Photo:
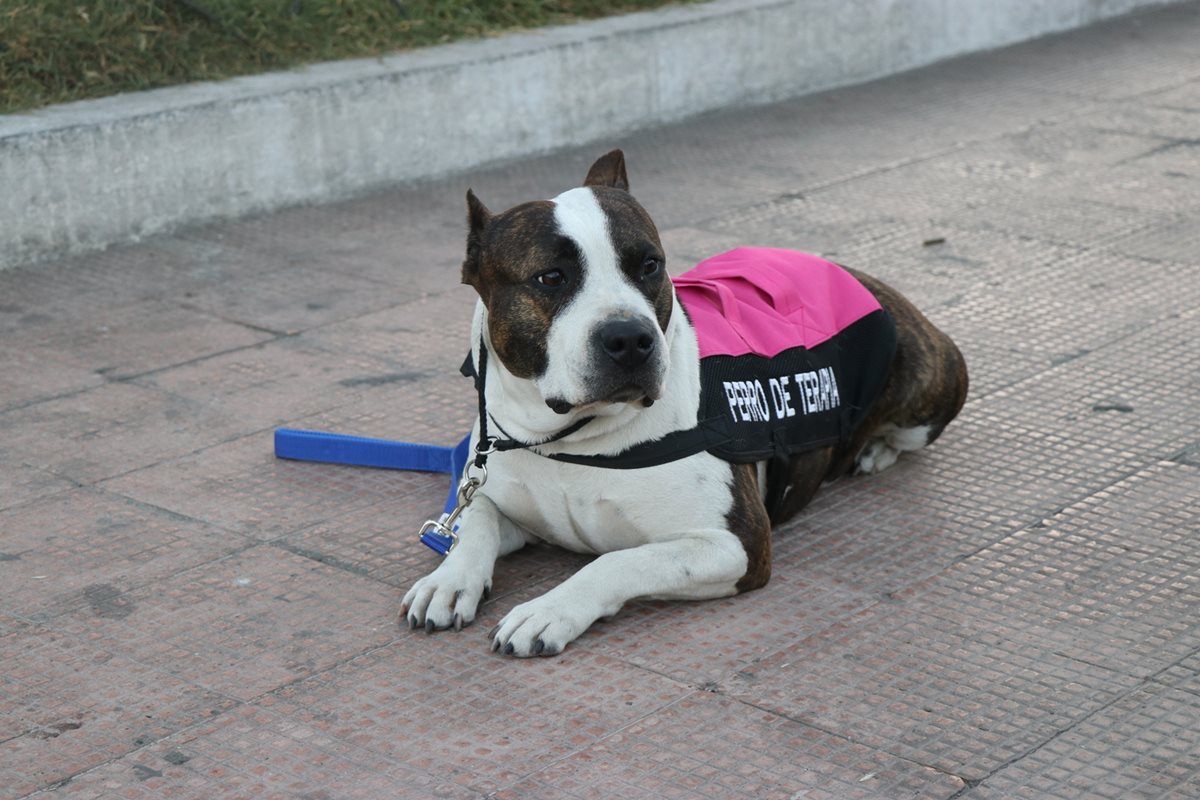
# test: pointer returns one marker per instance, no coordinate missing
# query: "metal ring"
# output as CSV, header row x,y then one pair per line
x,y
468,477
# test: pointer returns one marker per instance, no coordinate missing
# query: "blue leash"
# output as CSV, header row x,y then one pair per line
x,y
359,451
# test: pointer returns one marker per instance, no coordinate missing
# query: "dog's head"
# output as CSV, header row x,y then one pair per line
x,y
576,290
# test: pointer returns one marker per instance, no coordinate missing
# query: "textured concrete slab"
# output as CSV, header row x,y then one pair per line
x,y
962,699
1011,613
760,755
84,549
519,705
69,705
1144,745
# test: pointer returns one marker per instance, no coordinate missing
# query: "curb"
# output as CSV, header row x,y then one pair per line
x,y
83,175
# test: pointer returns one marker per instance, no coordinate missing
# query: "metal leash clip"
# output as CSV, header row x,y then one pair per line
x,y
441,535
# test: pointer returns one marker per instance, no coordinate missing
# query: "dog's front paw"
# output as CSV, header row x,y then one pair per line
x,y
541,627
448,597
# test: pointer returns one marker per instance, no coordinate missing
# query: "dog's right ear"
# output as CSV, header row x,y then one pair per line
x,y
478,218
609,170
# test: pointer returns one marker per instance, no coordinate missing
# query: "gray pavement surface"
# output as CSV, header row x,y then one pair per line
x,y
1011,613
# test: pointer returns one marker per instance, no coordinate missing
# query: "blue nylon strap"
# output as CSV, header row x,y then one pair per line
x,y
458,462
339,448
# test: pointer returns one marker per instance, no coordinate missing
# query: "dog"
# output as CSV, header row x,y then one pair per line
x,y
590,355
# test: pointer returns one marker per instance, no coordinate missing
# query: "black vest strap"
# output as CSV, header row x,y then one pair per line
x,y
672,447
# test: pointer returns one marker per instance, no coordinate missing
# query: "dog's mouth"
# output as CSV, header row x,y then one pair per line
x,y
626,394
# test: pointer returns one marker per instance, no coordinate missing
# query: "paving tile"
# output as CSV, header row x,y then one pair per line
x,y
440,409
1114,59
992,365
54,295
252,752
1057,183
39,374
1164,182
1145,745
411,241
246,624
110,430
1137,393
1110,580
703,644
963,699
151,334
20,484
817,225
1046,310
876,534
67,706
469,716
241,486
84,550
1174,239
296,298
1059,216
430,335
709,746
1012,458
281,380
1086,141
1163,115
1185,96
947,262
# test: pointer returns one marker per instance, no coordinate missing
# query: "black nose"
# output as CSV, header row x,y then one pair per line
x,y
629,342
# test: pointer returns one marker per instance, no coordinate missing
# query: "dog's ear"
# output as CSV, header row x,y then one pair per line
x,y
478,218
609,170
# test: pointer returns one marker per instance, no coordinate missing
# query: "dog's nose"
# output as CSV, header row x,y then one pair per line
x,y
629,342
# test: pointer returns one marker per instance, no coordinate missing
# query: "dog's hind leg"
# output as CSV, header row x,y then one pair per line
x,y
925,389
889,442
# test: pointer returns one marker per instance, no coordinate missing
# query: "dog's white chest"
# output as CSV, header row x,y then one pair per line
x,y
593,510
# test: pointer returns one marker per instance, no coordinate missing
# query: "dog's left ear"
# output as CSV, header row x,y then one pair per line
x,y
609,170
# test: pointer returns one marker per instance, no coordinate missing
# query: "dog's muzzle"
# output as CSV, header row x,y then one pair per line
x,y
624,364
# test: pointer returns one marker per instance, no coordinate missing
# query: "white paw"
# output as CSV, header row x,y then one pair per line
x,y
448,597
877,456
541,627
905,439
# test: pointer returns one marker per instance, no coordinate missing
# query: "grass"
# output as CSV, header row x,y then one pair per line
x,y
52,51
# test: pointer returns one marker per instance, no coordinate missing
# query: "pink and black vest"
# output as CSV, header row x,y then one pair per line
x,y
793,350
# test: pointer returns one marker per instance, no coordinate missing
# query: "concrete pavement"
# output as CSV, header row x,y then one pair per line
x,y
1012,613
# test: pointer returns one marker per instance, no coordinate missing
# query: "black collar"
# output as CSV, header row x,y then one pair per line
x,y
671,447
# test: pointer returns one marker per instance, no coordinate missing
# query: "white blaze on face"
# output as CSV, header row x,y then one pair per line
x,y
606,292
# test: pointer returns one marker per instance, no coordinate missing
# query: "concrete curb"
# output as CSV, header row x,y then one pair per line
x,y
84,175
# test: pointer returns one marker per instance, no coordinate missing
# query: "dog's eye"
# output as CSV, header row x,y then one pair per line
x,y
650,267
551,278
